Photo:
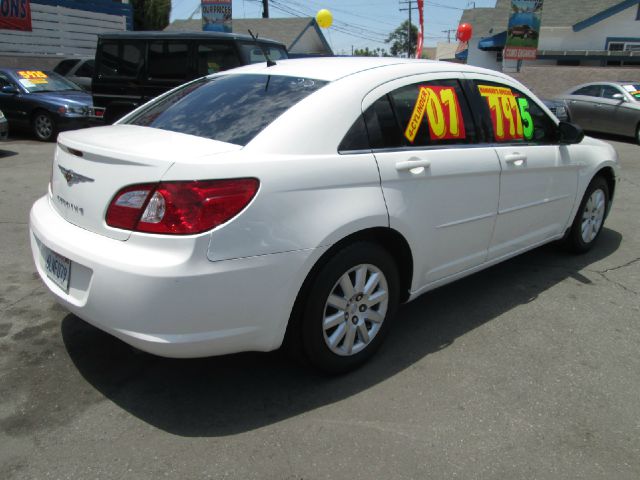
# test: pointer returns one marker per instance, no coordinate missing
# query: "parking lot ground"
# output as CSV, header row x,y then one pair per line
x,y
530,369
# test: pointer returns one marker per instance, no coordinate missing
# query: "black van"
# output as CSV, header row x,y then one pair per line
x,y
133,67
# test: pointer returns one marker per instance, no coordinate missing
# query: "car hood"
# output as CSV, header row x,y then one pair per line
x,y
70,97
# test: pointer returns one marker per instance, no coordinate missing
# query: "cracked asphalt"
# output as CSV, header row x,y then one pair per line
x,y
530,369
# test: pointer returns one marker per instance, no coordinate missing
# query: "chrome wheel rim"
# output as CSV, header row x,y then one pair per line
x,y
593,216
355,310
44,126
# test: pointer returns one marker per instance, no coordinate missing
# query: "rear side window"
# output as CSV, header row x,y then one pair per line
x,y
168,60
86,69
515,118
64,66
589,91
228,108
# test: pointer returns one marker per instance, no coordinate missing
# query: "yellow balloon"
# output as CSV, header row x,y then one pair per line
x,y
324,18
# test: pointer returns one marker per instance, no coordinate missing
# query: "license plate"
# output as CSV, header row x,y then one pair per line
x,y
58,268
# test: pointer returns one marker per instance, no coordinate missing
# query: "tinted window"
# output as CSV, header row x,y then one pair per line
x,y
214,57
168,60
433,113
229,108
86,69
589,91
514,116
382,125
5,81
356,138
64,66
120,59
252,53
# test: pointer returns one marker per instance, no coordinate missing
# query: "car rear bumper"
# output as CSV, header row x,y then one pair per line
x,y
172,302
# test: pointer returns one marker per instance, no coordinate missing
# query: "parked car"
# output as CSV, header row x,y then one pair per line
x,y
306,200
523,31
4,127
134,67
45,102
607,107
558,108
78,70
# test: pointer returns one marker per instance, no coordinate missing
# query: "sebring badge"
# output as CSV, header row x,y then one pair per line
x,y
72,177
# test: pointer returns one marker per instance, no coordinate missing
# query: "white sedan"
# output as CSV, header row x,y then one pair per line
x,y
302,202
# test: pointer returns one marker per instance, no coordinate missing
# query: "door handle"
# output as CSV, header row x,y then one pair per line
x,y
516,159
411,164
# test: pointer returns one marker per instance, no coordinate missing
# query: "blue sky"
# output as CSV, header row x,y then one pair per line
x,y
357,23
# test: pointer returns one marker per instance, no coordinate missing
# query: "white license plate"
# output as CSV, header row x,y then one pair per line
x,y
58,268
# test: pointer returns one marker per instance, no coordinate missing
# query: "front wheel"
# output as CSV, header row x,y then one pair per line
x,y
44,126
638,134
590,217
349,307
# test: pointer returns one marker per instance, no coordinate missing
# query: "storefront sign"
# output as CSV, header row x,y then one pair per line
x,y
216,15
524,30
15,15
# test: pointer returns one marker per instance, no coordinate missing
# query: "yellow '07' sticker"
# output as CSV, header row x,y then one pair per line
x,y
444,115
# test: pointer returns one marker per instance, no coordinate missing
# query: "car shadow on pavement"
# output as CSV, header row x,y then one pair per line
x,y
226,395
6,153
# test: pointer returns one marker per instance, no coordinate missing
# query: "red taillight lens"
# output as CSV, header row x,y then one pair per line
x,y
180,208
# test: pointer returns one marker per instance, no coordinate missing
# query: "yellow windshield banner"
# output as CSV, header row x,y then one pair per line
x,y
33,75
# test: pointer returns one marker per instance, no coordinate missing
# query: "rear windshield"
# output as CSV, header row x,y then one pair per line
x,y
228,108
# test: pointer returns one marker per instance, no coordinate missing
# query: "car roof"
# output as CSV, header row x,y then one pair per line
x,y
181,36
335,68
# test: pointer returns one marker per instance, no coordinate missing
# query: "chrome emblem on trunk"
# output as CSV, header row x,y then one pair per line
x,y
72,177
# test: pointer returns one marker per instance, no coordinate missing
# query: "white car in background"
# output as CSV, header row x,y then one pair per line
x,y
307,200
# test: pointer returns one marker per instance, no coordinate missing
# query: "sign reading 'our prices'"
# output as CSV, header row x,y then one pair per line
x,y
444,116
15,15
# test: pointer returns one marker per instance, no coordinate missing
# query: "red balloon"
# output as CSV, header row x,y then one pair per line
x,y
464,33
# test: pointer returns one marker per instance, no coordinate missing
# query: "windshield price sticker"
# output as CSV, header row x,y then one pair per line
x,y
32,74
506,114
443,114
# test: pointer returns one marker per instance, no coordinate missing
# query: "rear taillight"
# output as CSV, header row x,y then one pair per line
x,y
180,208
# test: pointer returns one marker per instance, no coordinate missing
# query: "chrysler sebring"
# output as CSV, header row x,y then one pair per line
x,y
302,202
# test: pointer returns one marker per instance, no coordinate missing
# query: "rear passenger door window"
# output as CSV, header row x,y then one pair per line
x,y
432,113
515,118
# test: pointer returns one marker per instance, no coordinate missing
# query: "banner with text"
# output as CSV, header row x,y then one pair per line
x,y
523,30
216,15
15,15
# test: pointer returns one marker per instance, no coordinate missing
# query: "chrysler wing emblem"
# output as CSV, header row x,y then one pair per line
x,y
72,177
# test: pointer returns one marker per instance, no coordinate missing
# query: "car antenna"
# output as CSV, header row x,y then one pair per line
x,y
270,63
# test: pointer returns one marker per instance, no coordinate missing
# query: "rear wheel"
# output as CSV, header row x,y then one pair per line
x,y
44,126
590,217
349,307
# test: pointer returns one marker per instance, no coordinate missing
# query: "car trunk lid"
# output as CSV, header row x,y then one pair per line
x,y
91,166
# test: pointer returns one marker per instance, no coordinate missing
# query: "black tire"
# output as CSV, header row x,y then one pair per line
x,y
44,126
575,239
638,134
371,260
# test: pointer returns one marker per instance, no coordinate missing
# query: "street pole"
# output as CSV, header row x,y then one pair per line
x,y
265,8
410,7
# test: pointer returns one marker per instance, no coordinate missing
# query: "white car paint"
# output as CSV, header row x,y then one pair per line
x,y
233,288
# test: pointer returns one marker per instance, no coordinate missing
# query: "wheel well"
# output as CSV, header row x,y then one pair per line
x,y
609,176
389,239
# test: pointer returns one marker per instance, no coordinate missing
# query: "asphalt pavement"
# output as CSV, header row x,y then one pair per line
x,y
527,370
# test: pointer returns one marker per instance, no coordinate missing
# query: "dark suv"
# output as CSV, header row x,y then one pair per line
x,y
134,67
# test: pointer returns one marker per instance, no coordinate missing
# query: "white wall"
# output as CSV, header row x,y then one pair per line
x,y
60,30
623,24
480,58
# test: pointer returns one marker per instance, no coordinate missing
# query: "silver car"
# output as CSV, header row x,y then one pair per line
x,y
608,107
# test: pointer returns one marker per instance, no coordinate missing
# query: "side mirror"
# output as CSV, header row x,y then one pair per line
x,y
570,133
618,96
11,89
